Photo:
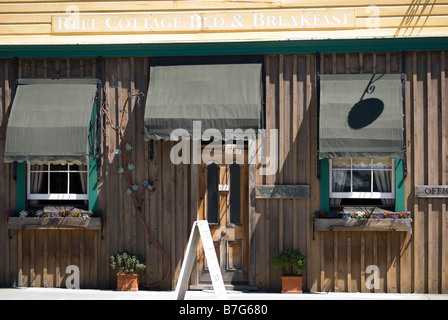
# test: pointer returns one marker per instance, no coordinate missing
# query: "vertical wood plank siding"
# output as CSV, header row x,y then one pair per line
x,y
39,258
336,260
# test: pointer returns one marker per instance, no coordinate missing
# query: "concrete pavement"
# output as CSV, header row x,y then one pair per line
x,y
19,293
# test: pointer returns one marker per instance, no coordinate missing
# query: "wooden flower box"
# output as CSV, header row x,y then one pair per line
x,y
363,224
65,223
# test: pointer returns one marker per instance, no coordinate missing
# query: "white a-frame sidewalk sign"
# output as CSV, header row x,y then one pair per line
x,y
200,230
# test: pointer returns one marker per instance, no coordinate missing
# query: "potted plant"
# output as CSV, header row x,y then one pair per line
x,y
127,266
291,264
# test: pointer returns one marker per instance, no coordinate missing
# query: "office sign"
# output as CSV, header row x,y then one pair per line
x,y
431,191
229,21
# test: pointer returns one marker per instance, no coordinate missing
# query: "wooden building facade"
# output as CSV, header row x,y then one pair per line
x,y
410,41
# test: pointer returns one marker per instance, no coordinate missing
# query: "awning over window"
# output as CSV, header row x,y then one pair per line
x,y
49,120
221,95
361,116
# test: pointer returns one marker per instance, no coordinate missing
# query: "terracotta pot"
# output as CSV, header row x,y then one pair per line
x,y
127,282
292,284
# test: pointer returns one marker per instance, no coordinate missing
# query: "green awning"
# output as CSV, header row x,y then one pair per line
x,y
49,120
216,95
361,116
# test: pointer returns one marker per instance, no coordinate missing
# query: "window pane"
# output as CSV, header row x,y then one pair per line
x,y
235,194
58,182
363,163
39,182
78,167
212,193
74,167
382,181
361,181
78,183
382,163
58,167
340,181
38,167
341,163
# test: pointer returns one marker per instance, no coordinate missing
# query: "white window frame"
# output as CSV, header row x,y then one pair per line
x,y
363,195
57,196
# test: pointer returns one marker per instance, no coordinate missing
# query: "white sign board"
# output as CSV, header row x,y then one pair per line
x,y
201,230
432,191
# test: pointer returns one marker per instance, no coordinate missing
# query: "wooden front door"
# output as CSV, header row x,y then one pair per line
x,y
224,203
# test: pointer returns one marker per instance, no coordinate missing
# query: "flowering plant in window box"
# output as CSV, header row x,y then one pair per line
x,y
359,220
53,219
357,214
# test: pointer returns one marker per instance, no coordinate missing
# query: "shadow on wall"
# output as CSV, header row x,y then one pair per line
x,y
415,18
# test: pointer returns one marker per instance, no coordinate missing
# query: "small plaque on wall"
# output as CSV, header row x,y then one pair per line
x,y
282,191
431,191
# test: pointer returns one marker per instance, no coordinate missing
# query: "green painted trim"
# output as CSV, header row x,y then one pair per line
x,y
21,186
226,48
400,195
324,185
93,169
93,185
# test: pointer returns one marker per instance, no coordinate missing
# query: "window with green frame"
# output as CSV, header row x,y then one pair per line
x,y
361,140
398,185
88,172
90,196
51,138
